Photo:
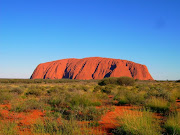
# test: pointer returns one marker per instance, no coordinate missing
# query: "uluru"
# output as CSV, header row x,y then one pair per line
x,y
90,68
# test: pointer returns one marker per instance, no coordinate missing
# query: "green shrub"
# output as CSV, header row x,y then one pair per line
x,y
172,124
5,97
8,128
178,81
62,127
137,123
55,90
80,100
46,126
17,90
97,103
52,90
129,96
159,105
34,92
122,100
135,98
97,88
50,126
31,104
90,114
77,105
59,102
174,94
84,87
107,89
121,96
127,81
106,81
102,96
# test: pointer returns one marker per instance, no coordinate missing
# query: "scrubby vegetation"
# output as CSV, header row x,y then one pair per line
x,y
8,128
127,81
77,107
172,124
159,105
178,81
138,123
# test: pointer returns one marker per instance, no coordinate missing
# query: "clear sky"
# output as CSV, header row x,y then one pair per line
x,y
38,31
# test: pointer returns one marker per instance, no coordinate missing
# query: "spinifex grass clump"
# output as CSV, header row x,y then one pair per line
x,y
172,124
107,89
131,96
62,127
81,106
17,90
159,105
138,123
8,128
27,105
5,97
90,113
47,126
34,92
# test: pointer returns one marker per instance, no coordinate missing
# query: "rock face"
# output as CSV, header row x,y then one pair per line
x,y
90,68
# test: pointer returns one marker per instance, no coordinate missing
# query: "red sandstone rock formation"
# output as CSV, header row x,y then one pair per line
x,y
90,68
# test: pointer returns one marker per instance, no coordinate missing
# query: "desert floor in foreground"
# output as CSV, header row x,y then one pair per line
x,y
72,107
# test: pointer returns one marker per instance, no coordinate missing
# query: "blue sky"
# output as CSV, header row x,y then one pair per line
x,y
38,31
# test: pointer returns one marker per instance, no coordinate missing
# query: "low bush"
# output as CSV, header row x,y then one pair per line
x,y
28,105
81,100
138,123
129,96
122,100
85,88
106,81
62,127
17,90
59,102
121,96
90,114
178,81
50,126
8,128
127,81
159,105
135,98
34,92
172,124
55,90
97,88
5,97
107,89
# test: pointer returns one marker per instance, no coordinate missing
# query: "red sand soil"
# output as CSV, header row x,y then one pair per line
x,y
90,68
107,122
22,118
